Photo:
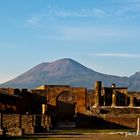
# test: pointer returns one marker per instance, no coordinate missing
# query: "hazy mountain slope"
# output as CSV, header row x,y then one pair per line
x,y
136,76
68,72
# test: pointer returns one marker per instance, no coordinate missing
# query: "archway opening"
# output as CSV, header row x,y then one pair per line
x,y
65,106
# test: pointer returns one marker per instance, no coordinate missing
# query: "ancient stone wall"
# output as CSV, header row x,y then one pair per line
x,y
11,125
27,124
16,124
52,92
7,90
122,121
117,117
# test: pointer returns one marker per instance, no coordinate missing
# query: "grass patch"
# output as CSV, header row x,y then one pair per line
x,y
80,131
92,134
92,137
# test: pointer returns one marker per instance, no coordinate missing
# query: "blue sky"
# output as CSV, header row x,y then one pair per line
x,y
101,34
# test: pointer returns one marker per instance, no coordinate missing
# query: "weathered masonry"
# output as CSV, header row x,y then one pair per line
x,y
113,96
113,107
63,102
18,124
65,107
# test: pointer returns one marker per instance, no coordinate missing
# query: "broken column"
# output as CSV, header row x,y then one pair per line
x,y
43,108
131,101
1,130
98,87
138,126
113,98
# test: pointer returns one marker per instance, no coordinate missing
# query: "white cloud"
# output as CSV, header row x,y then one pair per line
x,y
87,12
118,9
126,9
93,33
113,54
32,22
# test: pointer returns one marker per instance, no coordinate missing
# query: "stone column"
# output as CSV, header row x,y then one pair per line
x,y
113,98
138,126
1,130
0,120
131,101
48,123
43,109
98,87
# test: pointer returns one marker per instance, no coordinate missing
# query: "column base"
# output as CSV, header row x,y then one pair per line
x,y
1,132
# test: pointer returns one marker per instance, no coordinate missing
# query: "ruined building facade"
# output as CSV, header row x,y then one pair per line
x,y
56,106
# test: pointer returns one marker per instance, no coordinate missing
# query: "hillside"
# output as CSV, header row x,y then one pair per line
x,y
68,72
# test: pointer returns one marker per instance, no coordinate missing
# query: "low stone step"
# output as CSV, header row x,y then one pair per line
x,y
66,124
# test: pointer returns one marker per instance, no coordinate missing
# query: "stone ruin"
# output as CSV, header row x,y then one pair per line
x,y
64,107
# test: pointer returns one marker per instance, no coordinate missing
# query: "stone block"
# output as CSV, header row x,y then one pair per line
x,y
14,132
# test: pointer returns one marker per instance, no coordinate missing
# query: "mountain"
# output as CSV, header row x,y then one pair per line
x,y
69,72
136,76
